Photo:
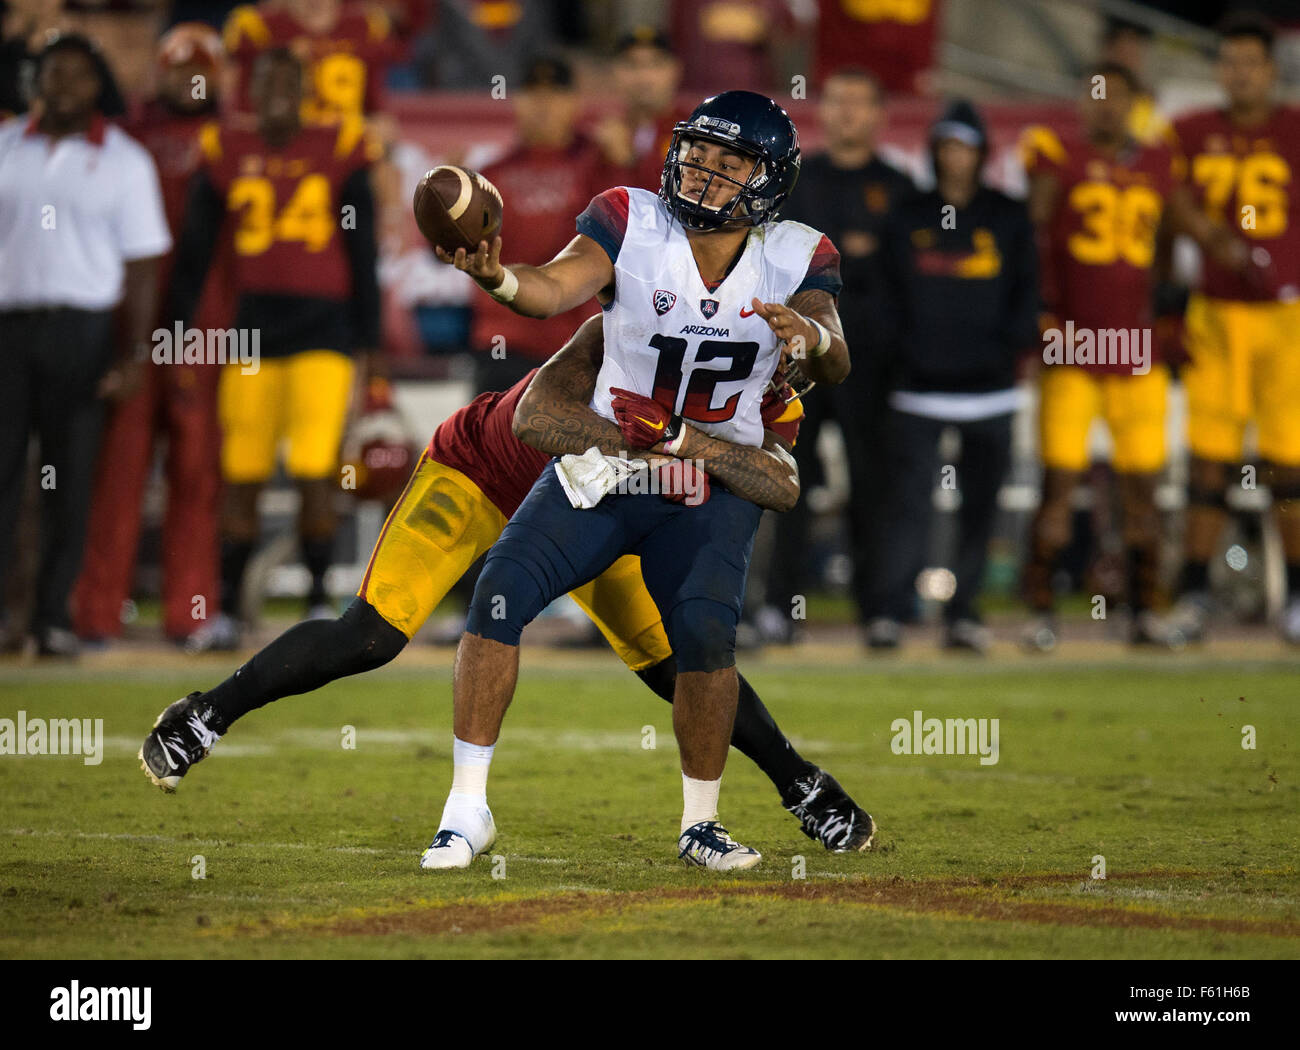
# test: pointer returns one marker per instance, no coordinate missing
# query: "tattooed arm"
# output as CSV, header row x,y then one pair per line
x,y
554,416
767,476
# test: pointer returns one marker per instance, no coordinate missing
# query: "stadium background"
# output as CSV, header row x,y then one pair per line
x,y
1018,59
1112,754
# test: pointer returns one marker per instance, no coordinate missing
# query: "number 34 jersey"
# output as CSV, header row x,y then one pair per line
x,y
700,351
301,222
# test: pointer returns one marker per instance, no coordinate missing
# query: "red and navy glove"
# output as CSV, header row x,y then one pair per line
x,y
776,400
643,420
681,481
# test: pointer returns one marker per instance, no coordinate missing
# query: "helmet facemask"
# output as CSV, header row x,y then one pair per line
x,y
746,208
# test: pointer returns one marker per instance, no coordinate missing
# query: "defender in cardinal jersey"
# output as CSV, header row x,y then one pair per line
x,y
304,248
701,287
1098,197
1240,186
473,476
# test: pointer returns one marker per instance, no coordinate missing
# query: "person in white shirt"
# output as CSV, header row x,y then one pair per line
x,y
81,230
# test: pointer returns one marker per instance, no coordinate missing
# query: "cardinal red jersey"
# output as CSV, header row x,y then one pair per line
x,y
172,140
892,38
650,143
285,203
1247,178
543,189
1101,239
345,64
479,441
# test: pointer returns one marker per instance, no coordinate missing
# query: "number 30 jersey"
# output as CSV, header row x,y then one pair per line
x,y
700,351
1096,266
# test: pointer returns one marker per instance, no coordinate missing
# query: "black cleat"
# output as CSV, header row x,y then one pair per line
x,y
827,814
183,734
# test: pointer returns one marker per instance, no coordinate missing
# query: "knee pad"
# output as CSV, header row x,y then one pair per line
x,y
702,633
372,639
506,599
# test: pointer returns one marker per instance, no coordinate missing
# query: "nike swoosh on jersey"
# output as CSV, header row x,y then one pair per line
x,y
746,313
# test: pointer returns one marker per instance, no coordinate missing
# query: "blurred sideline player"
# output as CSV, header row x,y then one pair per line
x,y
177,400
743,283
548,177
849,192
1097,197
344,48
1128,44
307,284
646,75
1243,324
471,478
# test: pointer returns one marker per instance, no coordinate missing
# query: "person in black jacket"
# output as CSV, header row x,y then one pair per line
x,y
848,191
961,268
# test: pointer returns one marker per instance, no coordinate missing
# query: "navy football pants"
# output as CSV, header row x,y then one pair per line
x,y
694,561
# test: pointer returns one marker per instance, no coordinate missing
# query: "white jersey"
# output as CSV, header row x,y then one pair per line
x,y
668,337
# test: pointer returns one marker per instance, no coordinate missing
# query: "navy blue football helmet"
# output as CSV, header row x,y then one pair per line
x,y
751,124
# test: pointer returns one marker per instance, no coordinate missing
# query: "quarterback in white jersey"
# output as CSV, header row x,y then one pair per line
x,y
703,291
702,352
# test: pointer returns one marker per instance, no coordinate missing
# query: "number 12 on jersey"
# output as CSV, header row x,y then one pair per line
x,y
698,401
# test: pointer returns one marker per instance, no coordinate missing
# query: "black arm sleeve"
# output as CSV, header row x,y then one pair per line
x,y
361,243
204,213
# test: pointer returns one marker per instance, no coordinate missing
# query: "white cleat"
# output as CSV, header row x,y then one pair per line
x,y
707,845
1291,622
452,848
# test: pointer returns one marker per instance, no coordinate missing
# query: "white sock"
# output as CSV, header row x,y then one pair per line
x,y
700,798
470,769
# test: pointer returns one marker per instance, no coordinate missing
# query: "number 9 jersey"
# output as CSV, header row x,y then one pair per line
x,y
700,351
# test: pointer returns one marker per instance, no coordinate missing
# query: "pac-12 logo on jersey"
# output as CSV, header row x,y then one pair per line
x,y
664,301
708,307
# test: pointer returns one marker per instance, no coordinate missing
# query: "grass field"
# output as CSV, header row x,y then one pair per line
x,y
310,849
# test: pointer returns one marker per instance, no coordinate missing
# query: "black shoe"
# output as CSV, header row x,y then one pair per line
x,y
58,642
827,814
1149,630
969,636
1041,634
182,735
883,633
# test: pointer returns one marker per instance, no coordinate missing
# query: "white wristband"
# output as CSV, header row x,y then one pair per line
x,y
505,291
823,343
674,446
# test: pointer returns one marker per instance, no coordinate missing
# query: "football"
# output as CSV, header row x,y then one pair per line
x,y
457,208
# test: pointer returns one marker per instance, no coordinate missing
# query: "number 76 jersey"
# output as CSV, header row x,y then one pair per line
x,y
1249,180
700,351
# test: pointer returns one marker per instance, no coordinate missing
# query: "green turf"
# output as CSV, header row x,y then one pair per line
x,y
311,850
